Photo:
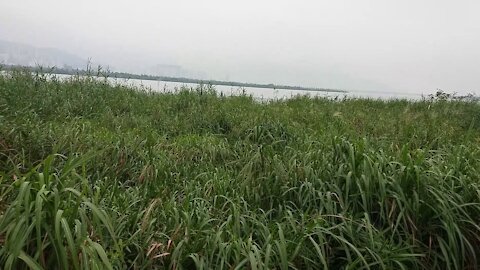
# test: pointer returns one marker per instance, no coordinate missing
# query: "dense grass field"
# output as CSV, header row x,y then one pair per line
x,y
99,176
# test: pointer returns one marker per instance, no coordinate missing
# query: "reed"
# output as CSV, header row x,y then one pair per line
x,y
101,176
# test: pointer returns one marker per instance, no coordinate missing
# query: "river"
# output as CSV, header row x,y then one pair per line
x,y
261,94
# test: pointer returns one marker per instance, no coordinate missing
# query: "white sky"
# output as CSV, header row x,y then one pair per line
x,y
404,45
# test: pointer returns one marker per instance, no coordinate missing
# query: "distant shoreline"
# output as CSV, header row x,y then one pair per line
x,y
125,75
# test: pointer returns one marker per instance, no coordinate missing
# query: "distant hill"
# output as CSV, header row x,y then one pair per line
x,y
12,53
18,54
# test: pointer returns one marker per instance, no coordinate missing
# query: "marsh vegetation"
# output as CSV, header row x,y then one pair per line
x,y
102,176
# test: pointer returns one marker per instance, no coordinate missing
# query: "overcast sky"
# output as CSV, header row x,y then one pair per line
x,y
402,45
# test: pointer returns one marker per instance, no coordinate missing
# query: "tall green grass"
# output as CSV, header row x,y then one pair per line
x,y
102,176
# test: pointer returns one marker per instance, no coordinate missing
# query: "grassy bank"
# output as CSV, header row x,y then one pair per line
x,y
106,73
100,176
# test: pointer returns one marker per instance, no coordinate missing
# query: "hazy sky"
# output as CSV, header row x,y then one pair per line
x,y
404,45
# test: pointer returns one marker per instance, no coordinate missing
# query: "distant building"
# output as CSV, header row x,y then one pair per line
x,y
168,70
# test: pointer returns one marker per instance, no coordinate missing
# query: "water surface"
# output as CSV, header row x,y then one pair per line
x,y
261,94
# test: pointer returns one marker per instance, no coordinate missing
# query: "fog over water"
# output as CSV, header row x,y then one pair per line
x,y
378,45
